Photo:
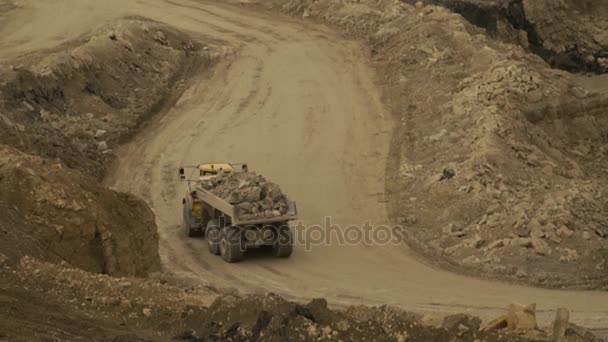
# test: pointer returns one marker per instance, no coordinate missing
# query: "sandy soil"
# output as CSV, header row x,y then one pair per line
x,y
319,129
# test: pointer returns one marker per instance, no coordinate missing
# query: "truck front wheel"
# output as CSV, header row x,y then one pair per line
x,y
187,222
231,244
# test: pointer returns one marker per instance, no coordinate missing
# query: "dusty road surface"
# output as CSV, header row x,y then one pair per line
x,y
299,103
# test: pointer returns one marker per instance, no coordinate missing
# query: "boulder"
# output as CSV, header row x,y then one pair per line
x,y
521,317
518,317
498,323
100,133
102,146
560,325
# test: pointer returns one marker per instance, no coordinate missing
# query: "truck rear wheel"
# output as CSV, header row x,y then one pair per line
x,y
213,237
187,222
283,245
230,244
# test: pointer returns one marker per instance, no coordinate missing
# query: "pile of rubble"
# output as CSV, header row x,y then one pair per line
x,y
252,194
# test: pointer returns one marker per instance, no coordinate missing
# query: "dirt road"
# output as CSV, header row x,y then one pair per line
x,y
299,103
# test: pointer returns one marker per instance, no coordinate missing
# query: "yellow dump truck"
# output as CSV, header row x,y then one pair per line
x,y
227,234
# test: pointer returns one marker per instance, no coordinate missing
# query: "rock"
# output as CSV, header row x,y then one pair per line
x,y
565,232
586,235
245,207
462,329
102,146
458,320
569,255
432,320
235,198
160,37
100,133
498,323
541,247
253,194
536,232
496,244
6,120
521,317
3,259
402,337
326,331
312,331
147,312
28,106
447,174
562,316
44,115
476,241
583,334
343,325
125,284
522,242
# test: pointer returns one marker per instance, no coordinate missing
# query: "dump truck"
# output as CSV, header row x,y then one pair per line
x,y
228,233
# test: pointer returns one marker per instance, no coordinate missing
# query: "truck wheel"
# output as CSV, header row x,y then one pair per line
x,y
213,237
230,244
283,245
187,222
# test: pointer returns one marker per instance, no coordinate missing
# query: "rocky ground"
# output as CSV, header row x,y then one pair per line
x,y
42,301
498,164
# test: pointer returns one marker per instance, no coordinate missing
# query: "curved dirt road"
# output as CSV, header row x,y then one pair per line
x,y
300,105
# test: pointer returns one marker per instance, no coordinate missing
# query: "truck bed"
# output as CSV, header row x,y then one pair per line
x,y
230,210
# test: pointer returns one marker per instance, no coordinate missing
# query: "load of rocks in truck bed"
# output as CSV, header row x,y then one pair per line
x,y
252,194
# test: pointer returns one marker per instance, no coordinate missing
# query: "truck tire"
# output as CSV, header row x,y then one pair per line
x,y
231,244
283,245
187,222
212,233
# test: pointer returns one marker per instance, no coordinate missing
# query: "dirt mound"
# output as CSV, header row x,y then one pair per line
x,y
252,194
58,214
70,106
79,100
69,304
497,165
